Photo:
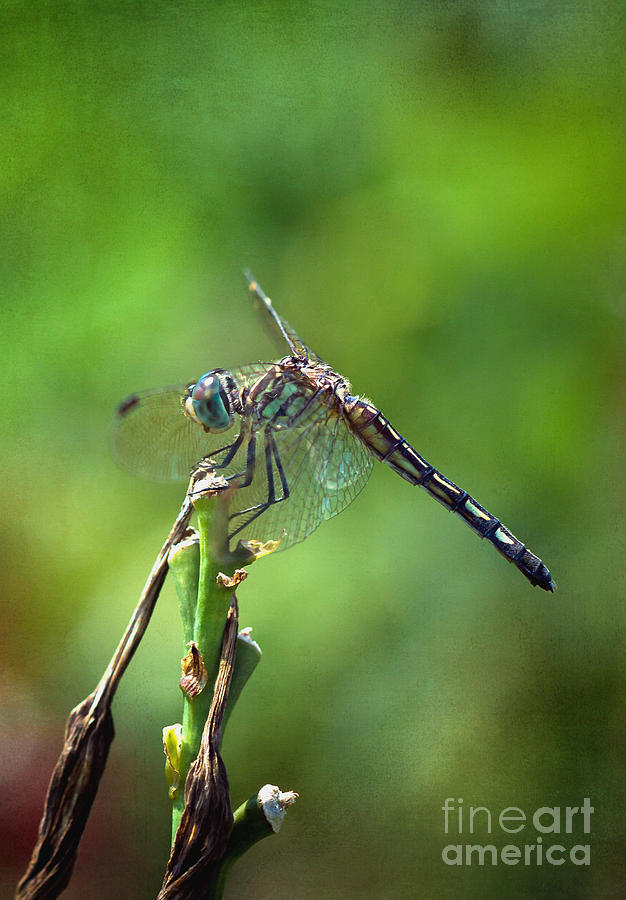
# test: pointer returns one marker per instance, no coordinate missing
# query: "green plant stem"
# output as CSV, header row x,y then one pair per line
x,y
212,603
204,600
213,598
184,565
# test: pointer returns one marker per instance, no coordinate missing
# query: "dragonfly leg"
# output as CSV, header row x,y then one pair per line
x,y
272,458
208,461
248,472
232,450
293,419
281,472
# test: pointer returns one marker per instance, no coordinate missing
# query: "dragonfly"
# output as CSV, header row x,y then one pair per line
x,y
294,440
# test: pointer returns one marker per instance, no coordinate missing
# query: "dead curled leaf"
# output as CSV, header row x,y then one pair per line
x,y
195,675
231,581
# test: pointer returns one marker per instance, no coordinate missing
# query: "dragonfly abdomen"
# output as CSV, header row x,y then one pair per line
x,y
391,448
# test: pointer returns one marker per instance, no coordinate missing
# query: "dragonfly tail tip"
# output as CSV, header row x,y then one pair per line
x,y
548,583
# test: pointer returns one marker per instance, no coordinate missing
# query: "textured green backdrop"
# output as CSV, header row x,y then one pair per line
x,y
433,194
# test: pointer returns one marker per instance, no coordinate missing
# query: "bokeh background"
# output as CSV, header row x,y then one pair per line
x,y
433,194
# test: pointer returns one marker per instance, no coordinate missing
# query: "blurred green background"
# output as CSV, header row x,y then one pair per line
x,y
433,194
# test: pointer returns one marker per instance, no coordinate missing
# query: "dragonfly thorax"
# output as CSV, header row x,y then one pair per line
x,y
213,400
318,375
292,393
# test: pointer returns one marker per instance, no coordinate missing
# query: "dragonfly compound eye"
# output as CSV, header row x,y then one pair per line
x,y
210,403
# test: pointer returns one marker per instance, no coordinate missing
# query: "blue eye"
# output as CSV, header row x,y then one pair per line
x,y
210,403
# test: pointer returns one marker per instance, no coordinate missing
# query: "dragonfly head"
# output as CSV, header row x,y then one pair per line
x,y
208,402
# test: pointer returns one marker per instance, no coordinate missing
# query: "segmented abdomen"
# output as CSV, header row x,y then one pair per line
x,y
391,448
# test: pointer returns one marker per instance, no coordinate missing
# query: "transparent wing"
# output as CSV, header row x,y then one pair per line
x,y
153,438
325,467
277,323
346,472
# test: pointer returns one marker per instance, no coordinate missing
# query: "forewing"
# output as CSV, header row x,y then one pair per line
x,y
302,348
276,321
154,439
